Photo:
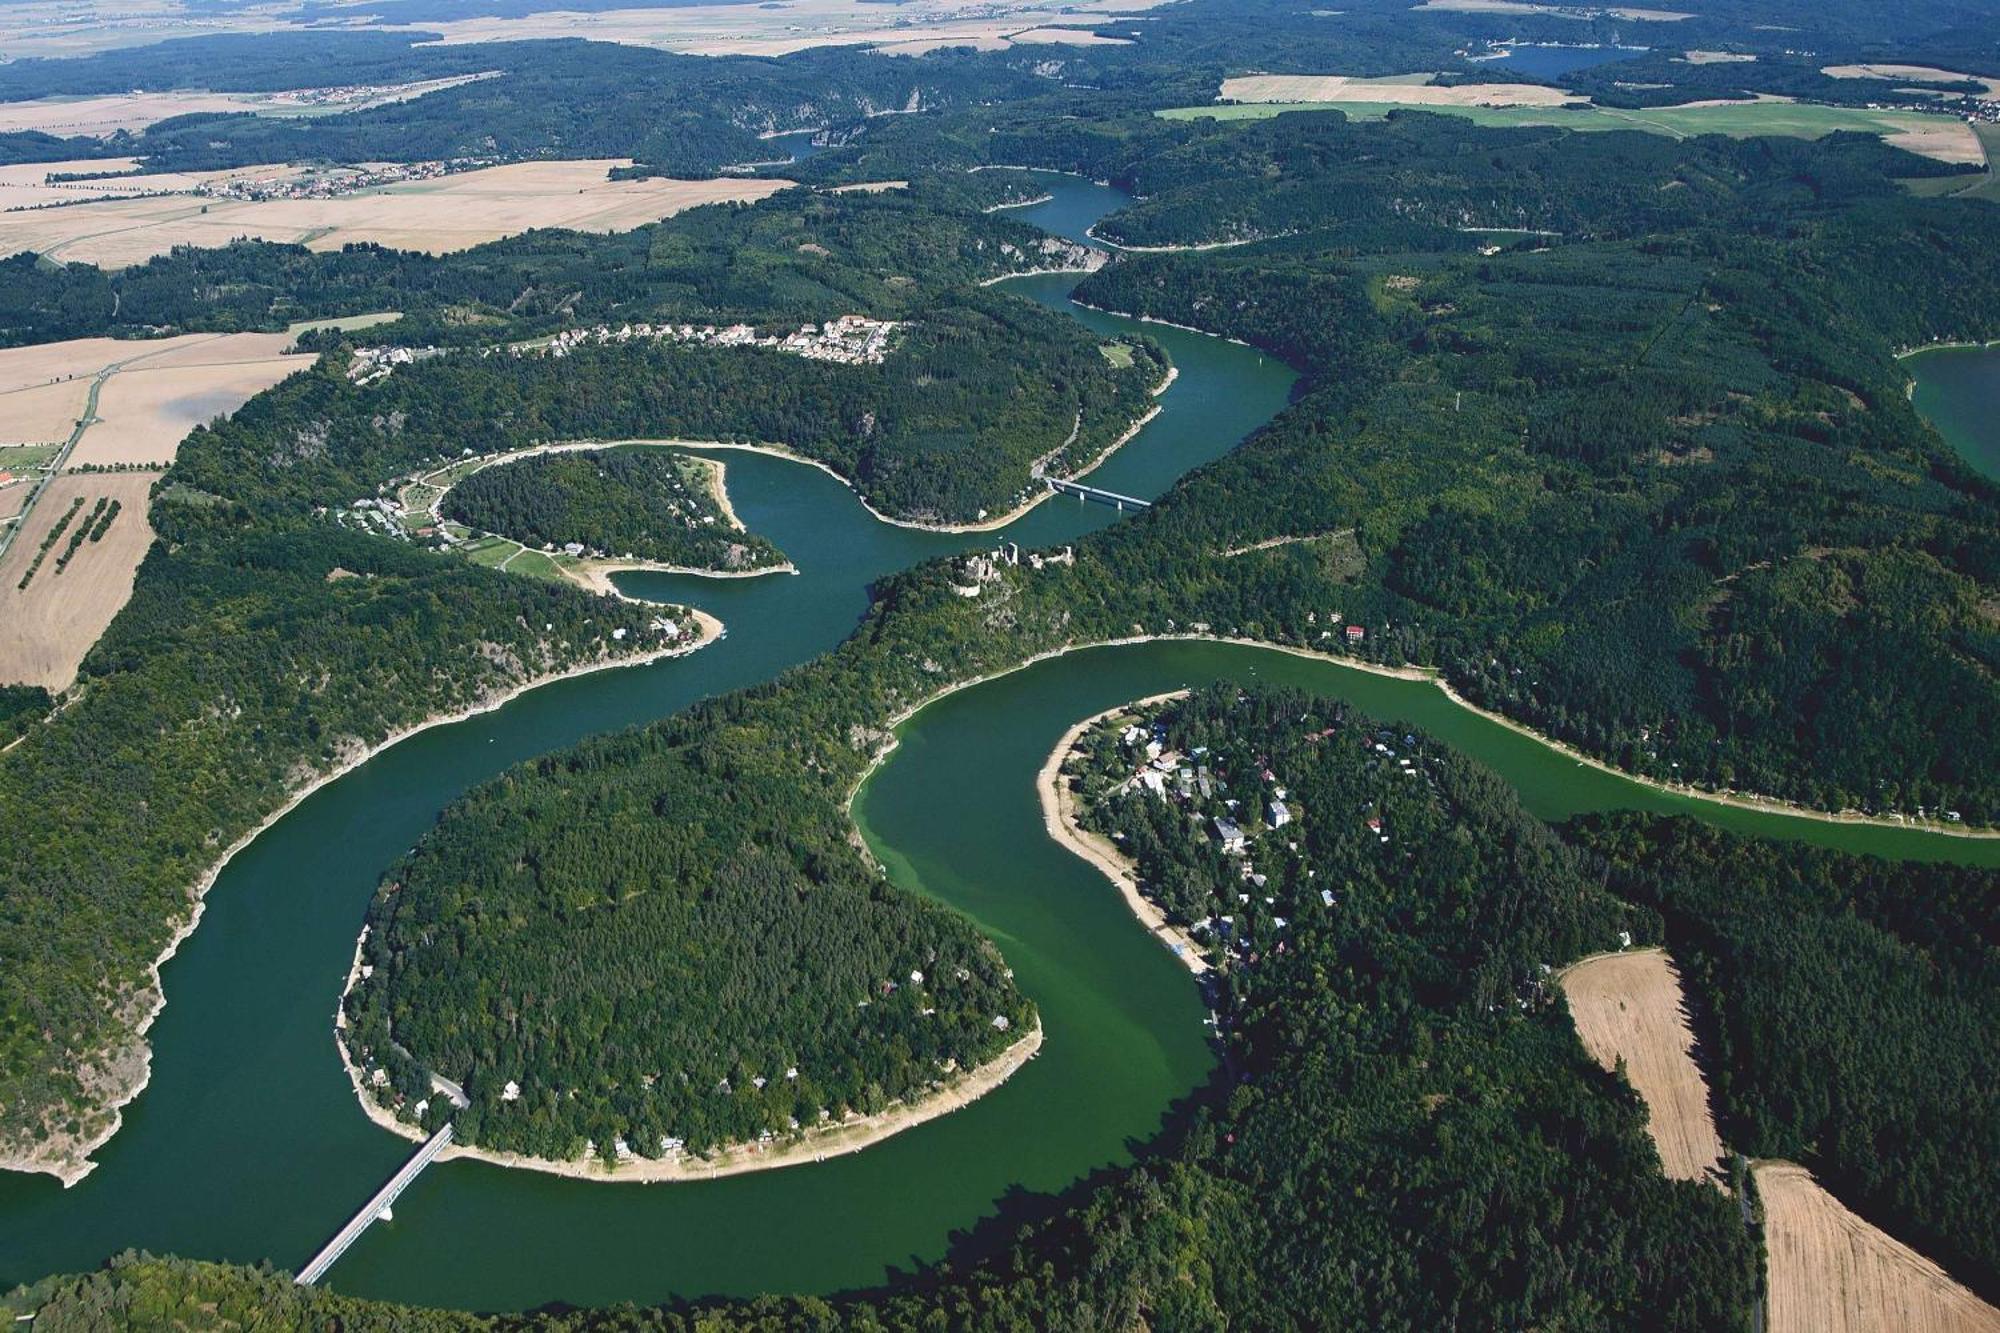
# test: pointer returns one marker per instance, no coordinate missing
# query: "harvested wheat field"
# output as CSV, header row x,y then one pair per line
x,y
1915,74
1628,1005
775,30
153,391
436,216
1831,1272
41,413
101,117
54,621
1404,90
143,413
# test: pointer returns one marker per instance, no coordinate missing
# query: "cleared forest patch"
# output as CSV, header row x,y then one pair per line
x,y
1628,1006
1831,1272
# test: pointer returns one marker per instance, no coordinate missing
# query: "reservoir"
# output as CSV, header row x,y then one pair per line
x,y
1958,389
249,1145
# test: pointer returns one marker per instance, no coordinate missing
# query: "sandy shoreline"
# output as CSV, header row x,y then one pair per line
x,y
1060,818
73,1162
596,574
838,1139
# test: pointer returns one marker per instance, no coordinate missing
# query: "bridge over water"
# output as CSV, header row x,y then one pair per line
x,y
315,1268
1097,493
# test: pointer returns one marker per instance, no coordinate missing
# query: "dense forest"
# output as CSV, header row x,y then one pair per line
x,y
642,504
1844,1005
536,945
1660,495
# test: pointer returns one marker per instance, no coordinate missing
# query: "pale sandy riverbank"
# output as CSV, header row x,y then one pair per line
x,y
127,1069
1060,818
837,1139
596,574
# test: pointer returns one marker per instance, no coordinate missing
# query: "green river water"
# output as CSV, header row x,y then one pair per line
x,y
248,1144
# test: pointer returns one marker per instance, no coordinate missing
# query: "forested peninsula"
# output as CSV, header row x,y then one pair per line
x,y
630,505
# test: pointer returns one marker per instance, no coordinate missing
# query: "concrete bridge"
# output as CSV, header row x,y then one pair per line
x,y
376,1207
1097,493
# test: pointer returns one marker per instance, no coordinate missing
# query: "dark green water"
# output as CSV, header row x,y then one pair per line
x,y
248,1144
1958,388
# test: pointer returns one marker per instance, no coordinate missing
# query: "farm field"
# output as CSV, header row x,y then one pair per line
x,y
144,413
28,185
1404,90
743,29
1628,1006
101,117
54,621
1945,138
442,214
1831,1272
153,393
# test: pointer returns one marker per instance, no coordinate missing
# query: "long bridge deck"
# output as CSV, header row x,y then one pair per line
x,y
1097,493
316,1268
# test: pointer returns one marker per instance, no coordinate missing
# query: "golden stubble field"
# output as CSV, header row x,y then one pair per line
x,y
796,25
435,216
53,623
150,394
1404,90
1831,1272
155,393
1628,1006
102,116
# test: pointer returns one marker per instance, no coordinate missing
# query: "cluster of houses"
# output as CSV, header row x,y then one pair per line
x,y
335,183
853,340
372,364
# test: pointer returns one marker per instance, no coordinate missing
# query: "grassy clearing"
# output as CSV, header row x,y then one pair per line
x,y
20,457
1118,354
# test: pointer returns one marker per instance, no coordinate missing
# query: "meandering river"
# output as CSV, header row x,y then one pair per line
x,y
248,1144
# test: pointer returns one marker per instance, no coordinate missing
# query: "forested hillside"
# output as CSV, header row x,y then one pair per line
x,y
795,257
1844,1005
1652,486
642,504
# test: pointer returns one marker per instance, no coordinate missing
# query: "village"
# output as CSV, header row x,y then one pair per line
x,y
332,183
852,340
1148,785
